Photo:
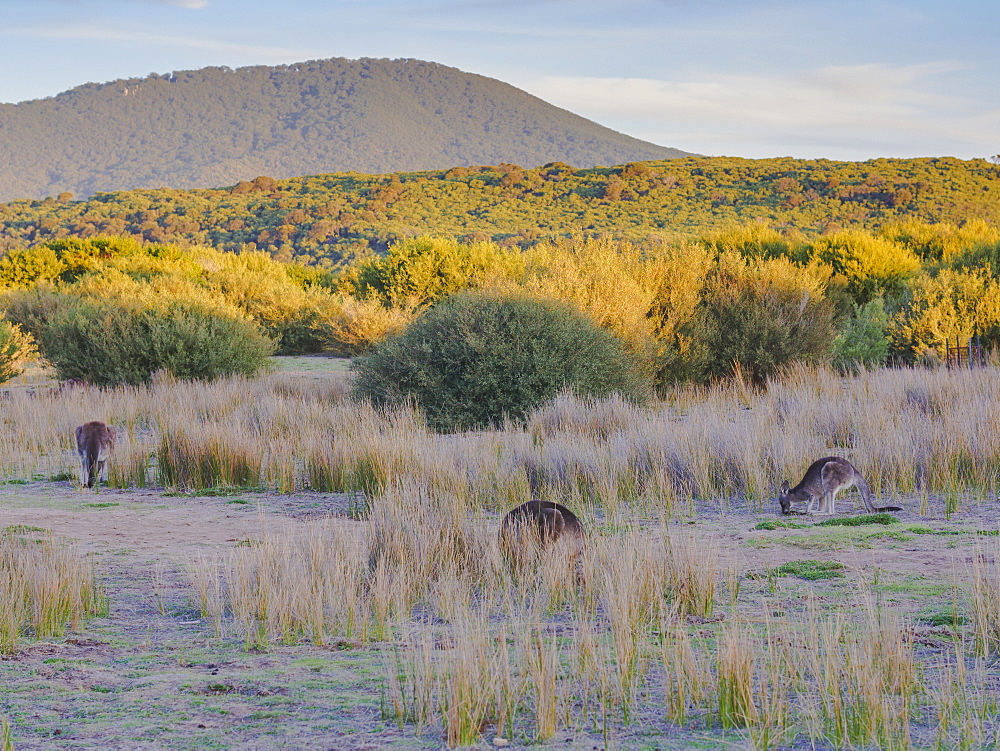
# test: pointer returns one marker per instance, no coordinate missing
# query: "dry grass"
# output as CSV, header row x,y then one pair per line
x,y
909,431
472,647
45,587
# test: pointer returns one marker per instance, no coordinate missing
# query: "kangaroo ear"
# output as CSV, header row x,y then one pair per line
x,y
784,486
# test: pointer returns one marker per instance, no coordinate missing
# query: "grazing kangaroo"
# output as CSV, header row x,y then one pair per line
x,y
823,480
94,442
536,526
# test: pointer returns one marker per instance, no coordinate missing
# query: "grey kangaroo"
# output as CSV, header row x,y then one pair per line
x,y
823,480
537,526
94,443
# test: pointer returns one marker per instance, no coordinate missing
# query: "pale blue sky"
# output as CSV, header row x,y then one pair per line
x,y
853,79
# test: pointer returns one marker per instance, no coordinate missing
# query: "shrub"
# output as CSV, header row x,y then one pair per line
x,y
947,306
16,348
349,326
863,340
109,342
760,316
424,270
873,265
478,358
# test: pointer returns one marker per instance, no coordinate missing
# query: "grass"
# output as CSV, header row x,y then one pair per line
x,y
811,570
858,521
45,588
649,630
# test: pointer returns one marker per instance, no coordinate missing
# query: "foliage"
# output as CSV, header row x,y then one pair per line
x,y
946,306
423,270
758,316
862,339
283,299
108,343
941,241
873,265
639,296
16,349
349,326
335,219
480,358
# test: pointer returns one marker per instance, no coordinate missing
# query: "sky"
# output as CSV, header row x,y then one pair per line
x,y
846,80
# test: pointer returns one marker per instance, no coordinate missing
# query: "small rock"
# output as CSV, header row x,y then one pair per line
x,y
500,742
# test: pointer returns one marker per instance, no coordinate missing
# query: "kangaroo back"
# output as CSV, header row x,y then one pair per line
x,y
529,529
94,442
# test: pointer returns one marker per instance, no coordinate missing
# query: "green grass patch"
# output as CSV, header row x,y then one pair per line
x,y
893,535
943,618
220,492
238,501
772,524
858,521
101,505
14,482
919,530
61,477
988,532
811,570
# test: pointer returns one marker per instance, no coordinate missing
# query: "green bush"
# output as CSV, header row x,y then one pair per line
x,y
478,358
757,315
108,343
863,340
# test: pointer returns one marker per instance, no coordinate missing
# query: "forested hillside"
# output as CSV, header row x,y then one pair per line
x,y
329,219
208,127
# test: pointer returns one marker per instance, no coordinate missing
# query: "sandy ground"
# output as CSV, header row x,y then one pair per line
x,y
142,678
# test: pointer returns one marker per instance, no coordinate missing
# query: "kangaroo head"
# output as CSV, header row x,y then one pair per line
x,y
783,500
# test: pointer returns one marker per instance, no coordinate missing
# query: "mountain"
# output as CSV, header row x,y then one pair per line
x,y
217,126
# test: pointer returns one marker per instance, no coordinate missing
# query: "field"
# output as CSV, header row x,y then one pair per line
x,y
278,567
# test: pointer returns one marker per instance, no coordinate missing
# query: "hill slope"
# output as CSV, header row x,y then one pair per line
x,y
328,219
216,126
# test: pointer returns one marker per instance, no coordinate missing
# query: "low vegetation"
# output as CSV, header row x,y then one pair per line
x,y
660,632
333,219
46,587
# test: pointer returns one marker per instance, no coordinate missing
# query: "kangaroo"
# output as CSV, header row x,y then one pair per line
x,y
823,480
94,442
537,526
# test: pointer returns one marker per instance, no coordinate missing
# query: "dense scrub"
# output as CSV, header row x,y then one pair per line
x,y
748,297
332,219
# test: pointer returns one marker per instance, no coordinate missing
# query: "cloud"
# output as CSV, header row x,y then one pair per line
x,y
101,32
873,104
191,4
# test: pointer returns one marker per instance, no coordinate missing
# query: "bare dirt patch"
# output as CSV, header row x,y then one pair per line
x,y
153,674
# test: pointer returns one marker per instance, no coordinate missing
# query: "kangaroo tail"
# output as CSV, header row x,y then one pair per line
x,y
92,471
866,493
866,496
